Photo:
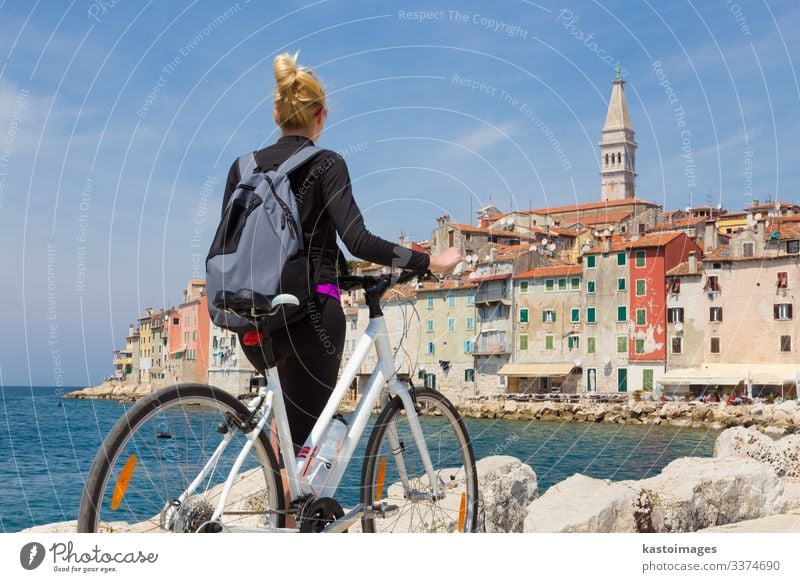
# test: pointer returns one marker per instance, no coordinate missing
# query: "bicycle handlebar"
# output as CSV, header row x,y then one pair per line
x,y
380,283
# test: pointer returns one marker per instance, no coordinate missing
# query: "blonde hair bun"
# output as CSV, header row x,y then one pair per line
x,y
298,94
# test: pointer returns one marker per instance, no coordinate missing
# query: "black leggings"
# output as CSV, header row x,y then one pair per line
x,y
308,353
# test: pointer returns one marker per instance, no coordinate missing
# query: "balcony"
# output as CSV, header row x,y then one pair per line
x,y
491,349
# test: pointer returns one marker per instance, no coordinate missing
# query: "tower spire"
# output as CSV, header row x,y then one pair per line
x,y
617,147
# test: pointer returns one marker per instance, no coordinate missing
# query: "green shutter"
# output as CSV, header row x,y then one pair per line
x,y
591,261
622,313
622,344
590,345
647,379
523,342
622,379
641,287
548,342
591,286
621,259
590,315
641,317
575,315
523,315
640,258
621,284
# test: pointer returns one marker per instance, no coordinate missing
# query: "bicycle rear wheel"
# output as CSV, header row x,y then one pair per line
x,y
392,447
159,447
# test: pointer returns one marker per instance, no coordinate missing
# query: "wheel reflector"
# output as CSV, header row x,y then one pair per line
x,y
462,512
122,482
381,479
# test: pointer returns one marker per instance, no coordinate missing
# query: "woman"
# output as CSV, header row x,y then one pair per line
x,y
308,352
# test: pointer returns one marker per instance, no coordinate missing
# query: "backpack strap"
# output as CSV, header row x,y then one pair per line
x,y
247,163
297,159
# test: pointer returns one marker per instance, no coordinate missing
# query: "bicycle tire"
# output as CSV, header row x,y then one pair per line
x,y
191,411
453,460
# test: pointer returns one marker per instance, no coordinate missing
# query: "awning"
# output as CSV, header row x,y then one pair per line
x,y
547,370
181,348
731,374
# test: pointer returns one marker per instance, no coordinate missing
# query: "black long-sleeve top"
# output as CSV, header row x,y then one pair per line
x,y
326,206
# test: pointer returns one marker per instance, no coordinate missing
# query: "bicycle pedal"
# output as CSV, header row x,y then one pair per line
x,y
384,510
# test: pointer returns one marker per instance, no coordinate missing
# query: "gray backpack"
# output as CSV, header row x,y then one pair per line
x,y
259,245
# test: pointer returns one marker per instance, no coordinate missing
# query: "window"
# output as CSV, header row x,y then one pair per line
x,y
715,314
523,315
451,324
194,336
233,341
622,259
591,287
786,343
641,317
782,311
677,345
622,313
591,261
562,284
471,299
575,284
430,325
647,379
548,316
621,284
469,375
712,283
591,315
575,315
674,285
175,321
549,285
793,246
783,280
591,344
470,323
451,300
622,379
638,344
523,341
429,347
622,344
215,342
430,302
548,342
640,258
716,266
748,249
573,342
591,379
714,347
467,346
523,287
641,287
675,314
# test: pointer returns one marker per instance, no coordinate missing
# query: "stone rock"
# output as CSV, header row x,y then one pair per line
x,y
789,447
791,490
694,493
771,524
507,486
774,430
742,442
582,504
757,409
510,406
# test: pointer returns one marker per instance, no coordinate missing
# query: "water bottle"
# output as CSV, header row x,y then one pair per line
x,y
316,463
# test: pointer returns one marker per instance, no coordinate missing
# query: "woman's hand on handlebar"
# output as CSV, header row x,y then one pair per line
x,y
445,261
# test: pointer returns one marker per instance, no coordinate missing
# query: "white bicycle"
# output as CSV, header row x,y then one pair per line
x,y
194,458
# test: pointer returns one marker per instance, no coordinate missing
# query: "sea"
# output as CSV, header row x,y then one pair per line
x,y
47,444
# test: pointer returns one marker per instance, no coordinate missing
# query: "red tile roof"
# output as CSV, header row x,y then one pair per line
x,y
680,223
555,271
602,218
592,205
658,239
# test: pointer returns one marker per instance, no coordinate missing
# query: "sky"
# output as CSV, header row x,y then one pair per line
x,y
119,121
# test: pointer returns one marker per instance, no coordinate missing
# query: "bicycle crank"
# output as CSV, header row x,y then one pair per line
x,y
316,514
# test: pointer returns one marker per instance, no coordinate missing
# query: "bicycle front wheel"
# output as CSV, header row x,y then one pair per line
x,y
167,441
394,481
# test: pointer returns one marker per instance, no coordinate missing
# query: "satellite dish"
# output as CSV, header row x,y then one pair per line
x,y
577,362
544,241
719,206
606,360
688,209
679,327
597,234
533,247
611,228
606,232
757,216
585,248
551,247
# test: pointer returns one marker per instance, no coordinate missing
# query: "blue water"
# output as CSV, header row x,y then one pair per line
x,y
46,451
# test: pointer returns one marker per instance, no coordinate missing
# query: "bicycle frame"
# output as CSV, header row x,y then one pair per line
x,y
383,376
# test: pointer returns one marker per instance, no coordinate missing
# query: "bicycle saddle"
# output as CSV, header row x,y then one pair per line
x,y
246,302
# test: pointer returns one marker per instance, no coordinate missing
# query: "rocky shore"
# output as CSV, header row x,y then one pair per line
x,y
774,419
751,484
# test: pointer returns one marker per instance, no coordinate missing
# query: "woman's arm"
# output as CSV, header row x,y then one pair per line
x,y
346,217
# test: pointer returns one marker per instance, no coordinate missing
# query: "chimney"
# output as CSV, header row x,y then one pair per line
x,y
755,201
607,244
130,329
692,262
149,311
760,226
710,236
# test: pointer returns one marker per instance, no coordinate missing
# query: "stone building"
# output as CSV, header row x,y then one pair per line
x,y
493,342
618,148
548,308
228,367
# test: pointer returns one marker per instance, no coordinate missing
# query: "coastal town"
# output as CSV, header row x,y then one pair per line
x,y
616,296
